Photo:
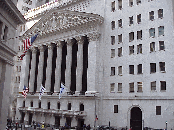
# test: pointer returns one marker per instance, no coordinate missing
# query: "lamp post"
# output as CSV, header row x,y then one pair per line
x,y
95,112
166,125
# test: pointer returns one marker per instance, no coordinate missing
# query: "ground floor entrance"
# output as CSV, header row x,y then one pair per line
x,y
136,118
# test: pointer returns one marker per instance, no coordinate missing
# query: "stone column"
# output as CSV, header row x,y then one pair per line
x,y
58,66
33,68
68,64
40,67
80,41
49,67
92,62
25,71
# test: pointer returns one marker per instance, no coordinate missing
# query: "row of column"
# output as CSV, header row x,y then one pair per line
x,y
29,74
41,48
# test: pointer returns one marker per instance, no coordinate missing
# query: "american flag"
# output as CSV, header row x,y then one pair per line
x,y
26,44
25,91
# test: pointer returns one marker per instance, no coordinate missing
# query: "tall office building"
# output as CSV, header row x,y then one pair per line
x,y
114,57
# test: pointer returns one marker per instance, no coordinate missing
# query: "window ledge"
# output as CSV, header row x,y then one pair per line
x,y
112,92
120,74
161,17
139,73
161,35
162,50
162,90
153,90
112,75
163,71
131,92
120,42
152,72
140,91
139,22
119,92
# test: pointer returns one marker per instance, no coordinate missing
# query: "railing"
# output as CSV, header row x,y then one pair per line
x,y
53,111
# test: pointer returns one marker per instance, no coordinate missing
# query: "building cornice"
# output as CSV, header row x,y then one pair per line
x,y
12,11
41,10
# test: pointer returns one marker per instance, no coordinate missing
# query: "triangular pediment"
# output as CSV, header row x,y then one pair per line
x,y
61,20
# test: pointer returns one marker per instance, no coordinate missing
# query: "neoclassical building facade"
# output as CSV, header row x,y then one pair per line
x,y
114,57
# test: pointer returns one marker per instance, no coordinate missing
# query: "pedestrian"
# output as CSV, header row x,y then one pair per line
x,y
130,128
43,124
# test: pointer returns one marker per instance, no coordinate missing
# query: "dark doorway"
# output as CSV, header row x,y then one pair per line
x,y
80,124
22,117
30,118
68,121
57,122
136,118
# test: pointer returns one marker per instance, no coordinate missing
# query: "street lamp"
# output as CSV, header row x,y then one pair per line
x,y
166,125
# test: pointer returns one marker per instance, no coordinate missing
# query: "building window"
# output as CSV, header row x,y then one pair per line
x,y
131,36
163,85
58,105
119,87
161,31
139,49
151,15
130,20
158,110
131,3
112,71
23,105
131,69
21,28
139,69
152,47
161,45
119,70
162,66
131,87
81,107
138,2
139,35
112,53
140,86
112,87
139,18
120,38
19,68
113,6
69,106
112,40
48,105
152,32
120,51
153,85
39,104
131,50
31,104
115,108
152,67
160,13
120,23
19,79
24,27
113,25
120,4
19,48
5,33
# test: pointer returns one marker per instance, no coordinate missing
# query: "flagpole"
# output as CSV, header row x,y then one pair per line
x,y
95,112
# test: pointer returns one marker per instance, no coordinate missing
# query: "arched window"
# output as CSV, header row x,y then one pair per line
x,y
48,105
23,103
39,104
69,106
31,104
58,105
81,107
